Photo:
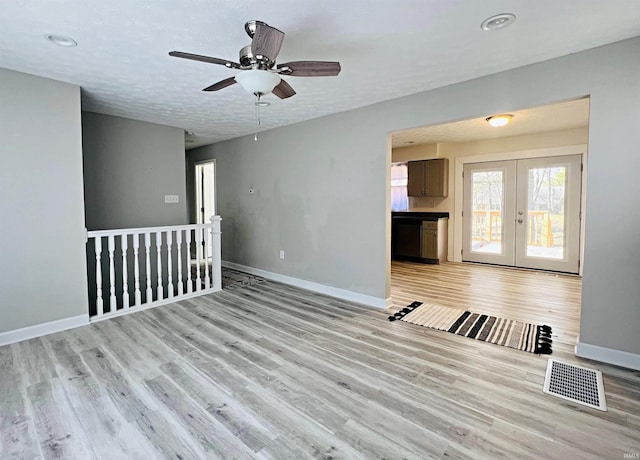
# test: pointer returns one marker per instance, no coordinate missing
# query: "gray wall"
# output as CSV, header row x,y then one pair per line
x,y
319,196
42,245
129,166
322,185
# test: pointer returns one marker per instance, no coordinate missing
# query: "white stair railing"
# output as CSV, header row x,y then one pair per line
x,y
161,256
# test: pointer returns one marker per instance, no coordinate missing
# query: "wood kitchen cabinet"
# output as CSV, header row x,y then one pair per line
x,y
429,178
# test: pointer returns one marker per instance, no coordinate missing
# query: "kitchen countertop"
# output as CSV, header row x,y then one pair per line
x,y
419,215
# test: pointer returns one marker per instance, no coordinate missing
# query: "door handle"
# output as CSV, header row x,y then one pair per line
x,y
519,221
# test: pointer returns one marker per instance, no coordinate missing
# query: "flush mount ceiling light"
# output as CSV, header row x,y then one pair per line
x,y
499,120
499,21
62,40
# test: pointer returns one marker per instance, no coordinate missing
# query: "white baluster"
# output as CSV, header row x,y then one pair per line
x,y
216,256
99,301
179,247
205,253
112,275
147,244
136,267
124,240
169,265
159,264
198,238
187,239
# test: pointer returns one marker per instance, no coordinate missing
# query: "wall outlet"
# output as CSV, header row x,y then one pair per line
x,y
281,254
171,199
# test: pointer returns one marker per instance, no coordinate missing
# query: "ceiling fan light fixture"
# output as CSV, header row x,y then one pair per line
x,y
257,81
499,120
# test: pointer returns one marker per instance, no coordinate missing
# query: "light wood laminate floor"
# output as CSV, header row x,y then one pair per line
x,y
525,295
270,371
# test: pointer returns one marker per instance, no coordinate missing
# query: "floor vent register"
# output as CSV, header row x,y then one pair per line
x,y
575,383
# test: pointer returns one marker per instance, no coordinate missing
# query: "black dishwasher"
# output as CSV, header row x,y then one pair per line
x,y
419,236
406,235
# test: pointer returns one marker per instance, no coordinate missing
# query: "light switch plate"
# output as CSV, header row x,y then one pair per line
x,y
171,199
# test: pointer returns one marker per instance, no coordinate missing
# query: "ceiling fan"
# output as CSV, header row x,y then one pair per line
x,y
259,74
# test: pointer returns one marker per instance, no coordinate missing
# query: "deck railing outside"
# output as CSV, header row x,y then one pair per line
x,y
487,226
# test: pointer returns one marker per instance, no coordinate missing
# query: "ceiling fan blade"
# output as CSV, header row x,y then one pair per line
x,y
283,90
221,84
310,69
266,41
209,59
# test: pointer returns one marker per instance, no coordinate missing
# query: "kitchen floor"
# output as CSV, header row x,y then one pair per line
x,y
526,295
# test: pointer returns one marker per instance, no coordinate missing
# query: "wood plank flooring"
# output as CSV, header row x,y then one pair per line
x,y
525,295
272,371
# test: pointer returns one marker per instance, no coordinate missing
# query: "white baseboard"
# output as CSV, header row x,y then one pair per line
x,y
38,330
147,306
608,355
344,294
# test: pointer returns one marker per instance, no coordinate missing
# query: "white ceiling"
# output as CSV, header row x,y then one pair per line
x,y
387,49
553,117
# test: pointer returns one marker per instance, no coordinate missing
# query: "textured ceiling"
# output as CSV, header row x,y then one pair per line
x,y
387,50
554,117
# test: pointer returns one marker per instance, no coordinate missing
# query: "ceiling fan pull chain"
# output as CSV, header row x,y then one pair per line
x,y
257,112
258,105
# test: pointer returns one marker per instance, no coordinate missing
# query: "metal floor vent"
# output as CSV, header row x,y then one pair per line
x,y
575,383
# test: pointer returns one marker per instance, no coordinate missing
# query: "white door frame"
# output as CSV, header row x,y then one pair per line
x,y
200,219
197,185
456,176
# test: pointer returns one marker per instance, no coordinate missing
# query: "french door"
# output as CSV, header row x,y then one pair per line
x,y
523,213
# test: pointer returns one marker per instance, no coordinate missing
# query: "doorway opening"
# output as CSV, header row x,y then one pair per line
x,y
205,196
534,164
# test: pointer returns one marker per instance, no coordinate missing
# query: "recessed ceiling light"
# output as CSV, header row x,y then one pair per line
x,y
62,40
499,120
499,21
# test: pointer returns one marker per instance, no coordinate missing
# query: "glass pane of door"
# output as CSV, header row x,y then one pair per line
x,y
545,212
487,201
548,213
489,197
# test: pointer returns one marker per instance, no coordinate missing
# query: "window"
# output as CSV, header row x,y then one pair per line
x,y
399,179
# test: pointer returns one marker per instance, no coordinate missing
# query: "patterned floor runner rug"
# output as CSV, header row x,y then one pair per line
x,y
520,335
